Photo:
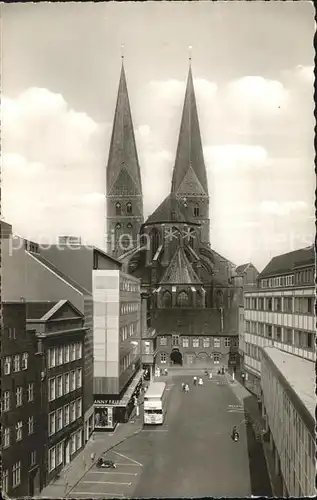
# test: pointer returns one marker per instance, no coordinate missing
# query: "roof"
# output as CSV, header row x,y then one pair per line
x,y
298,373
241,269
123,170
287,262
170,210
189,175
59,273
179,270
36,310
155,389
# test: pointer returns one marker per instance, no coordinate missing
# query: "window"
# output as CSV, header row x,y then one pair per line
x,y
6,401
78,440
16,363
118,209
51,356
253,326
6,437
31,425
196,210
78,378
254,303
18,396
59,355
51,459
72,352
175,339
78,408
297,304
59,453
72,381
30,392
309,340
268,331
196,342
289,336
18,429
11,333
278,333
7,365
51,389
227,341
247,326
59,386
129,208
206,342
261,328
66,415
163,341
288,304
216,357
278,304
66,353
51,423
261,303
78,350
269,304
16,474
182,299
66,383
59,419
33,457
216,342
129,225
163,357
72,411
5,481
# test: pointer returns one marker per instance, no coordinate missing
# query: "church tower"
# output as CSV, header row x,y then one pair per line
x,y
189,181
124,188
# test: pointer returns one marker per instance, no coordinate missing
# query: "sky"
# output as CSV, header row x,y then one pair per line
x,y
252,64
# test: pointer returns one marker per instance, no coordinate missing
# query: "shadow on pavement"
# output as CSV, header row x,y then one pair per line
x,y
259,476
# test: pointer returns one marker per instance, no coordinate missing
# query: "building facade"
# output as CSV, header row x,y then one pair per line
x,y
280,312
20,405
117,338
249,274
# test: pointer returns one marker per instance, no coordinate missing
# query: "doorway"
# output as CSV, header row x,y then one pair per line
x,y
34,482
176,357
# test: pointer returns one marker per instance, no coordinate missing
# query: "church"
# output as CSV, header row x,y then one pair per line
x,y
193,294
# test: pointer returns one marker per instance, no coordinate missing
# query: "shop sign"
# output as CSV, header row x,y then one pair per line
x,y
107,402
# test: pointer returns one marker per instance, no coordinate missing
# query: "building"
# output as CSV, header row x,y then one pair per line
x,y
117,337
69,240
278,351
181,276
115,323
28,275
249,274
42,392
20,405
60,341
280,312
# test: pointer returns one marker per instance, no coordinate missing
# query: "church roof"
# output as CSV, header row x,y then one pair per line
x,y
189,175
170,210
179,270
123,170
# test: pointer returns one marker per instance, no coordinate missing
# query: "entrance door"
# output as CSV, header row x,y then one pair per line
x,y
67,452
176,357
34,482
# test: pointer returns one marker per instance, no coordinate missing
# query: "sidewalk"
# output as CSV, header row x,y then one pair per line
x,y
98,444
249,401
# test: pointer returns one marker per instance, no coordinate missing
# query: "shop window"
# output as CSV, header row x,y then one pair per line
x,y
216,357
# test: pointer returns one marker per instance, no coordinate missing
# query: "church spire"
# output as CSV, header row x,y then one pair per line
x,y
124,187
189,161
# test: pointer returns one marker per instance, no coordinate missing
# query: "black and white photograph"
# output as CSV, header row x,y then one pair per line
x,y
157,249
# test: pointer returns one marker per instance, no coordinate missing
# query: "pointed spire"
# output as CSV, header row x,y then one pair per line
x,y
123,153
189,164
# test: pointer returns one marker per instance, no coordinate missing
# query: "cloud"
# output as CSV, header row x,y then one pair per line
x,y
282,208
235,156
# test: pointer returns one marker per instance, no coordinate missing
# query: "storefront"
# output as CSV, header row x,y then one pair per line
x,y
109,412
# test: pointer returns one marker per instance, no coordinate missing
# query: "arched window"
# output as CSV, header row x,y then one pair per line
x,y
196,210
118,226
129,208
129,225
154,235
118,208
182,299
167,299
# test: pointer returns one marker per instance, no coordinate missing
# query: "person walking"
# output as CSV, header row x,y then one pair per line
x,y
195,380
210,375
183,387
200,382
186,388
92,457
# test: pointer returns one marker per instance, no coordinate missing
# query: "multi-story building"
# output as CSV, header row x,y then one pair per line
x,y
60,339
117,336
42,392
278,350
21,405
280,312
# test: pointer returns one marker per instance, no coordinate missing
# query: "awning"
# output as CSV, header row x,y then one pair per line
x,y
122,403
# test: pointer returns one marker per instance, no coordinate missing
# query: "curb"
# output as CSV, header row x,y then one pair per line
x,y
105,451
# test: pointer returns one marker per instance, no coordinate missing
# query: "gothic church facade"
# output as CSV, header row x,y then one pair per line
x,y
193,293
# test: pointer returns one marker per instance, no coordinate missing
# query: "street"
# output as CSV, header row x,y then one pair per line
x,y
190,455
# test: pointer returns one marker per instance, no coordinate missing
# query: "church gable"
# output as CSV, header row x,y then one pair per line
x,y
124,185
180,270
190,185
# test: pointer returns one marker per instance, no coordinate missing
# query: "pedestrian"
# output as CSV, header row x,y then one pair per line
x,y
92,457
210,375
242,376
200,382
195,380
183,386
186,388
